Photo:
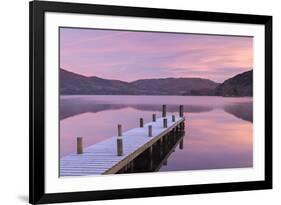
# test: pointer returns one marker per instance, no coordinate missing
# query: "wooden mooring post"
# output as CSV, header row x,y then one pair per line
x,y
164,110
153,117
149,130
165,123
79,145
181,111
141,122
119,130
119,141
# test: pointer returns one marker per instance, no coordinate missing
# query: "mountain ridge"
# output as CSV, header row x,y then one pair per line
x,y
73,83
238,85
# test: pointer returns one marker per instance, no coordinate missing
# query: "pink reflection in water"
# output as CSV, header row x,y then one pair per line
x,y
213,139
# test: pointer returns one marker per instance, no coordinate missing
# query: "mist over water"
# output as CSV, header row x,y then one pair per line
x,y
218,131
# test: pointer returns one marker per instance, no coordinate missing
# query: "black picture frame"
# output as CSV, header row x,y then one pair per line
x,y
37,194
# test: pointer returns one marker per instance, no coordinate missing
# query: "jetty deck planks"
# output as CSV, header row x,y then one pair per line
x,y
101,158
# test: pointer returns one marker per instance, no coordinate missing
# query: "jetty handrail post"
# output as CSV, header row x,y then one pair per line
x,y
165,123
181,110
119,141
79,145
164,110
141,122
173,118
154,117
149,130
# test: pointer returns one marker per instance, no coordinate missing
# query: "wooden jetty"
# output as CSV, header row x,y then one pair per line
x,y
119,152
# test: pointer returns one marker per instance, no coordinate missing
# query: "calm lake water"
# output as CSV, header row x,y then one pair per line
x,y
218,131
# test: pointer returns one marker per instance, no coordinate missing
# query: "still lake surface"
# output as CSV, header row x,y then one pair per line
x,y
218,130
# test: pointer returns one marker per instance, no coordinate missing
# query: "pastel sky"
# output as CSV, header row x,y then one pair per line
x,y
129,56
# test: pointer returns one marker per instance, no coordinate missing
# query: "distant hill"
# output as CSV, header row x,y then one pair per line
x,y
175,86
239,85
72,83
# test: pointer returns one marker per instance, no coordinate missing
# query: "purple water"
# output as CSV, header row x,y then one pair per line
x,y
218,131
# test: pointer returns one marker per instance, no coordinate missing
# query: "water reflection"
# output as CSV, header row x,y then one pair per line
x,y
157,156
218,131
71,108
214,140
241,110
75,105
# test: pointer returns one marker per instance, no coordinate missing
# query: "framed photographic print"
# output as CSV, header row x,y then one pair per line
x,y
140,102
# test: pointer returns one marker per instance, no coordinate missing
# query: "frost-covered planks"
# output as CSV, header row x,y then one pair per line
x,y
102,158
